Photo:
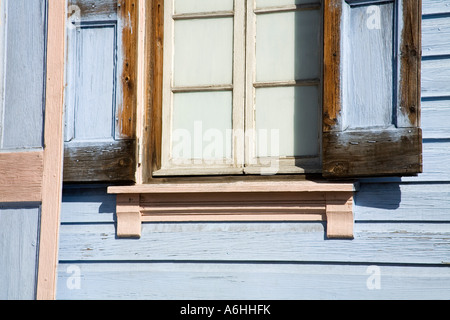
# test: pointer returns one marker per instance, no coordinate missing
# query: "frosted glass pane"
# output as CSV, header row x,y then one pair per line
x,y
202,125
203,52
197,6
288,46
291,115
274,3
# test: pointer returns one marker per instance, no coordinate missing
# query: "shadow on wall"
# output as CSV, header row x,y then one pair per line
x,y
379,195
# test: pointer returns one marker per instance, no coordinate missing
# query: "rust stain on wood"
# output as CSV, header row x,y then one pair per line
x,y
410,55
128,14
332,58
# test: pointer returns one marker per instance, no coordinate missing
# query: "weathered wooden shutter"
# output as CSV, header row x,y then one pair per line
x,y
372,56
100,117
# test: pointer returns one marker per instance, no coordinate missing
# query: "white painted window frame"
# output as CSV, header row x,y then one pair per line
x,y
243,88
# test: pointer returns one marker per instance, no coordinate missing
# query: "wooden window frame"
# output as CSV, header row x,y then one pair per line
x,y
244,160
224,198
202,198
236,88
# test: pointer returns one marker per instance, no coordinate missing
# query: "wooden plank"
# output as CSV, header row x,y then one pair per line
x,y
332,63
128,26
235,187
436,167
368,71
402,202
385,152
21,176
436,78
410,58
98,161
435,7
19,234
374,243
53,151
88,204
435,118
94,9
222,281
152,138
23,99
434,32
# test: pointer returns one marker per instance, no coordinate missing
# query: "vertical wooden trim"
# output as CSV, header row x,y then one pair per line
x,y
410,62
141,102
331,64
128,18
151,142
53,151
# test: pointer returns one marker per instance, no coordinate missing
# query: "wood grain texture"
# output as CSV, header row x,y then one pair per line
x,y
21,176
22,104
435,30
106,78
112,161
235,187
377,146
372,153
19,234
128,26
374,243
231,281
435,7
152,138
332,64
53,152
410,65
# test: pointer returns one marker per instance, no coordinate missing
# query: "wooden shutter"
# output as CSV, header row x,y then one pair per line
x,y
371,113
100,117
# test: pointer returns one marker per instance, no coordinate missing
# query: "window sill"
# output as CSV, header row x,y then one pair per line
x,y
236,201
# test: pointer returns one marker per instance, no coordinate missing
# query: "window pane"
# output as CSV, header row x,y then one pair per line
x,y
197,6
202,125
274,3
291,115
288,46
203,52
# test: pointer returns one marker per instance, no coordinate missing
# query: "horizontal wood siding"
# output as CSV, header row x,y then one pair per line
x,y
402,231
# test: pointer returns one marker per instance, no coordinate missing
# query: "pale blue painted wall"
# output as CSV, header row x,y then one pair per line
x,y
402,232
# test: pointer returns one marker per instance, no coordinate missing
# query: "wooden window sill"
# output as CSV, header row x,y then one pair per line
x,y
236,201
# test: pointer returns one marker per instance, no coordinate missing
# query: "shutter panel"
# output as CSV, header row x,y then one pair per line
x,y
371,113
100,114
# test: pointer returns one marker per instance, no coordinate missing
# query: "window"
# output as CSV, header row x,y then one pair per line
x,y
241,87
328,87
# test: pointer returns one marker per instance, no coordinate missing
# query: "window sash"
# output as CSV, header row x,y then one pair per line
x,y
244,158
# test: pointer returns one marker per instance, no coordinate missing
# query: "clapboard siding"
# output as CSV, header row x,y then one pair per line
x,y
404,243
402,227
435,7
250,281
